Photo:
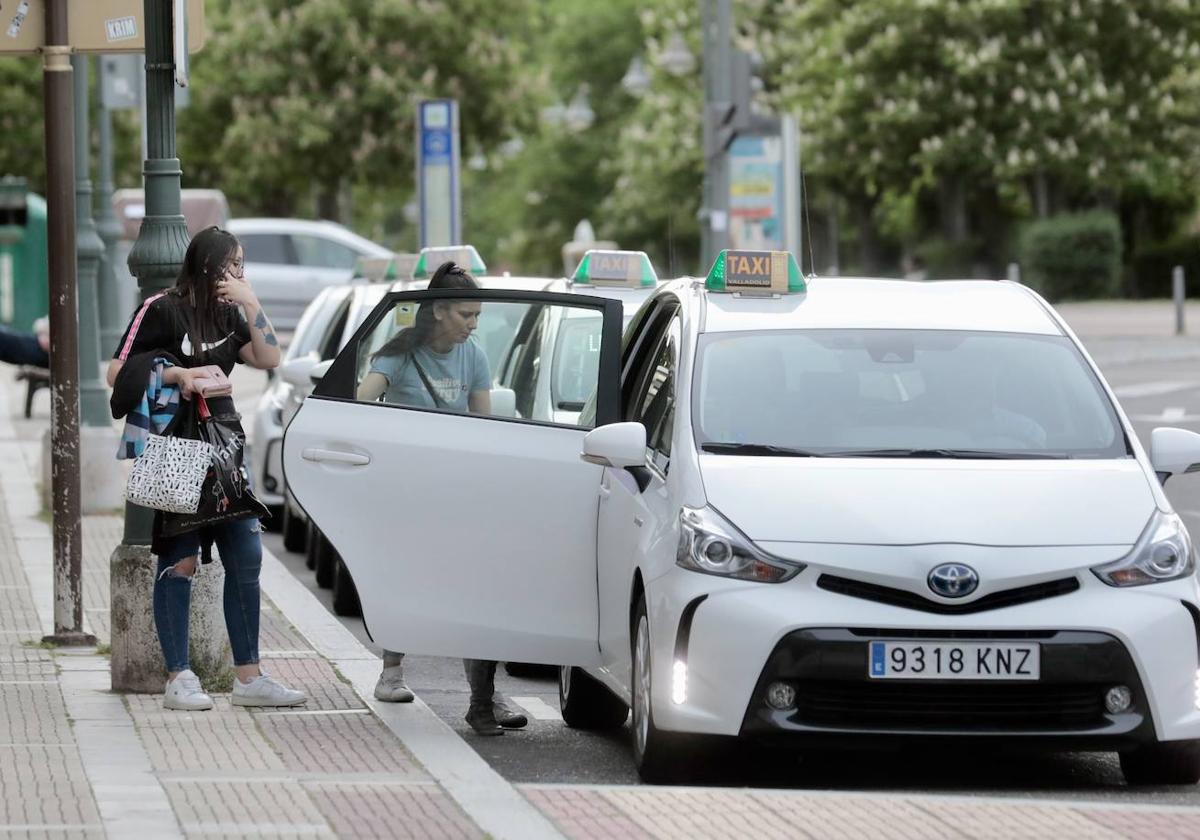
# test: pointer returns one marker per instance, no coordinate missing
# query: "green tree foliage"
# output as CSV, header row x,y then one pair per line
x,y
1009,106
658,160
1075,255
296,98
22,145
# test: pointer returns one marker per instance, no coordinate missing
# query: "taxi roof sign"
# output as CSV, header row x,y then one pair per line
x,y
431,258
384,269
615,268
755,272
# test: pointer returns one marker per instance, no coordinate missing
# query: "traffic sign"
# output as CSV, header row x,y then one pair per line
x,y
438,173
95,26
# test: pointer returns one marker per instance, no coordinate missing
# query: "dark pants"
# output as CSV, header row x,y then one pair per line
x,y
481,676
22,348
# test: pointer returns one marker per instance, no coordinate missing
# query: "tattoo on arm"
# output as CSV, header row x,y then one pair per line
x,y
265,328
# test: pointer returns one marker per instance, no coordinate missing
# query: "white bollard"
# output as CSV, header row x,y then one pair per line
x,y
1014,272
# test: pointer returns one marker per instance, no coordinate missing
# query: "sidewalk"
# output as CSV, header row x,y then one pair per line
x,y
77,761
1118,332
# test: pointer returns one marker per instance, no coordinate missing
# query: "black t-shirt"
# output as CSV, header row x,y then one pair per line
x,y
160,323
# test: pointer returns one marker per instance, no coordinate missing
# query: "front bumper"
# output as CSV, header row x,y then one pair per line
x,y
742,634
834,696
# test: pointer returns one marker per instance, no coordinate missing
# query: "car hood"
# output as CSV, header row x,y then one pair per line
x,y
907,502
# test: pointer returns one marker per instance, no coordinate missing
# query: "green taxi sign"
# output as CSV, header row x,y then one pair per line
x,y
375,269
615,268
755,272
430,258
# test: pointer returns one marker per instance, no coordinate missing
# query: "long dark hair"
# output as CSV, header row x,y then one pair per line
x,y
449,275
208,255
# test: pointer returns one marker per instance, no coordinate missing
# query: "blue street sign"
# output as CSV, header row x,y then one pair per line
x,y
438,173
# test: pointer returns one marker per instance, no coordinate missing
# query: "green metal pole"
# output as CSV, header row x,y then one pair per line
x,y
157,254
109,228
93,397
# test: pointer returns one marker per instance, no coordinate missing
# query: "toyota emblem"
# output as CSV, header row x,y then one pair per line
x,y
953,580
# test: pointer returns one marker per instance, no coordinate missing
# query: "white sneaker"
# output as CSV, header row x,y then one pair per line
x,y
264,691
391,687
185,694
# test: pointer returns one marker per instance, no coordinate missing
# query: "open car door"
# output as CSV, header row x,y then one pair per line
x,y
466,534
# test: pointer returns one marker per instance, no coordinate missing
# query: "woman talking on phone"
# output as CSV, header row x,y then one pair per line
x,y
208,322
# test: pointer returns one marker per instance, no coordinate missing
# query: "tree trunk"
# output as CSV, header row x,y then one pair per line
x,y
952,197
1041,195
329,202
868,239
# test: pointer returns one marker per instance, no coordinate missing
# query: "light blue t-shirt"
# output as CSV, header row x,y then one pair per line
x,y
453,376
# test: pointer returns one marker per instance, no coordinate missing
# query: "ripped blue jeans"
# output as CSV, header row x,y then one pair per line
x,y
239,544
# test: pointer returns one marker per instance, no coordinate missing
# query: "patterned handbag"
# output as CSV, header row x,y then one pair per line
x,y
169,474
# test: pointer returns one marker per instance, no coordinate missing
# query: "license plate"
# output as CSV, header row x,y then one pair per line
x,y
954,661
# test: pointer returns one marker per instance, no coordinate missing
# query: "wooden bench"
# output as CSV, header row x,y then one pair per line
x,y
35,378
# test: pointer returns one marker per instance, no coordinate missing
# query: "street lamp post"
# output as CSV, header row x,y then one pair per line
x,y
93,399
718,111
108,226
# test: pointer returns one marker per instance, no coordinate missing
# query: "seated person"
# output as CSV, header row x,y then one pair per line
x,y
18,347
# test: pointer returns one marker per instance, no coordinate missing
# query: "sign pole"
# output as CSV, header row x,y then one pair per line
x,y
64,352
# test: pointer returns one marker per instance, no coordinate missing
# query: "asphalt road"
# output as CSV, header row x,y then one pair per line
x,y
1153,393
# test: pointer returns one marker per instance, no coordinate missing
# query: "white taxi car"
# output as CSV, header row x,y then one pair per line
x,y
568,339
844,509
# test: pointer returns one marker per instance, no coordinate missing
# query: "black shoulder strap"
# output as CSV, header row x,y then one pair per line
x,y
437,403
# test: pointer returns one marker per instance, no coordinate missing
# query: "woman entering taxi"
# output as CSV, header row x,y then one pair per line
x,y
436,364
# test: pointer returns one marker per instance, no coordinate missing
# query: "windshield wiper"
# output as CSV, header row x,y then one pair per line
x,y
759,449
966,454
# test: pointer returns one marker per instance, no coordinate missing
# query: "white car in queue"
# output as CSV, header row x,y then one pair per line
x,y
844,510
568,340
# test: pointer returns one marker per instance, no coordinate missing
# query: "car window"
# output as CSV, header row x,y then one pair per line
x,y
310,331
331,342
654,406
442,354
319,252
850,391
271,248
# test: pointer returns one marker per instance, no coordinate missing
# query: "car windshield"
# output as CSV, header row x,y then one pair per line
x,y
577,358
901,393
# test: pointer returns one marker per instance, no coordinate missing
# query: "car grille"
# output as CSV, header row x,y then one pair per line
x,y
913,601
892,706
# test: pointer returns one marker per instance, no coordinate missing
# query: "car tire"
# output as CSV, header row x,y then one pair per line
x,y
531,670
1162,763
274,523
345,594
586,703
295,530
324,557
660,757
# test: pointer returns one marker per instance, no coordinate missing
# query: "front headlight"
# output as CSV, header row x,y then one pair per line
x,y
1163,552
709,543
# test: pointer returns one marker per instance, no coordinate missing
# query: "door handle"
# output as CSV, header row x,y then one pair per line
x,y
335,456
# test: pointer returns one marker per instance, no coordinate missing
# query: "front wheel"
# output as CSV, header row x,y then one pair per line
x,y
660,757
295,530
1162,763
586,703
345,594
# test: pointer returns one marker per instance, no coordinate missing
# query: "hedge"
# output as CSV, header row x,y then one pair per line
x,y
1073,256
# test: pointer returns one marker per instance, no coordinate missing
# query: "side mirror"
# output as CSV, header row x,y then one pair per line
x,y
318,371
1174,451
621,445
296,371
504,402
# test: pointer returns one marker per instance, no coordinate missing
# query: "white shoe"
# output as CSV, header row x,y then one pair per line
x,y
391,687
185,694
264,691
